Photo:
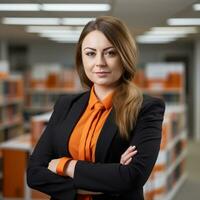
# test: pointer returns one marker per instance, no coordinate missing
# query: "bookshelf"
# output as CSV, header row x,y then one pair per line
x,y
169,172
43,90
11,106
166,81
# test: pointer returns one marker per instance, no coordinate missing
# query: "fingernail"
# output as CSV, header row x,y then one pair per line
x,y
133,147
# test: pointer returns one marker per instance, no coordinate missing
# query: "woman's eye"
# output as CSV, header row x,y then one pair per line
x,y
90,53
110,53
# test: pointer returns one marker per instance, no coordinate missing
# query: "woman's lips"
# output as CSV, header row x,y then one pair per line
x,y
102,73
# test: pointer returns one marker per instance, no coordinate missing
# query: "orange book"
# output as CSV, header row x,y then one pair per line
x,y
52,80
36,130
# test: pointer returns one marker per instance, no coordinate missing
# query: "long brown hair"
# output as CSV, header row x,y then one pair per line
x,y
128,98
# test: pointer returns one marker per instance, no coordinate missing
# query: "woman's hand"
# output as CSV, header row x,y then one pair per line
x,y
53,165
68,169
127,156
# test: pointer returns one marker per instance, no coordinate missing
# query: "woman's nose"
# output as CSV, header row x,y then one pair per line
x,y
100,60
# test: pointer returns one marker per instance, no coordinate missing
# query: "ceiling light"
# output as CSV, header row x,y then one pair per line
x,y
63,32
154,40
76,21
183,21
45,21
54,7
64,40
30,21
196,6
20,7
38,29
173,30
156,36
60,35
76,7
165,34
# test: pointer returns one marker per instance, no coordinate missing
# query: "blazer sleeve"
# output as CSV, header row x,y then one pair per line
x,y
117,178
38,175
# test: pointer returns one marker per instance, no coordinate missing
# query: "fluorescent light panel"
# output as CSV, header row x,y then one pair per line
x,y
55,7
64,40
45,21
38,29
183,21
20,7
30,21
154,41
59,35
76,21
154,37
173,30
196,7
55,32
165,34
76,7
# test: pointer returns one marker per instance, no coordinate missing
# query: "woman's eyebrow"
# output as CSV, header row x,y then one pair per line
x,y
89,48
111,47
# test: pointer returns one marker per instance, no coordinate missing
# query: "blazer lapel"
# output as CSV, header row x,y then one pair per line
x,y
72,118
105,138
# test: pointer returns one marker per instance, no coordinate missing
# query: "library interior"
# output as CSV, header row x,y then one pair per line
x,y
37,65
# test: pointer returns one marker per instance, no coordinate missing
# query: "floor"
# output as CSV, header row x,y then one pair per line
x,y
191,188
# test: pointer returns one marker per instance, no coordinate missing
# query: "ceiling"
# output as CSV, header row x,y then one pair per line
x,y
140,15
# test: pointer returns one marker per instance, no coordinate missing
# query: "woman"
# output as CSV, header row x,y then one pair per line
x,y
88,150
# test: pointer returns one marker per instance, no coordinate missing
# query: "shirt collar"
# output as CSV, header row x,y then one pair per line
x,y
107,101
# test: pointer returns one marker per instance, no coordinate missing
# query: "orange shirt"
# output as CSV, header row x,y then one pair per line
x,y
82,143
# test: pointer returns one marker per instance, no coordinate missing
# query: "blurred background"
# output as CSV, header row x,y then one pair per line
x,y
37,49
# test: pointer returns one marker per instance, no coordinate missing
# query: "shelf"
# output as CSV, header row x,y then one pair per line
x,y
38,108
162,163
11,77
163,90
182,135
52,91
10,124
10,101
22,142
175,189
175,108
175,163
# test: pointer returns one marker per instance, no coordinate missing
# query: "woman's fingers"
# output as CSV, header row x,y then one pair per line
x,y
128,161
130,149
127,155
125,158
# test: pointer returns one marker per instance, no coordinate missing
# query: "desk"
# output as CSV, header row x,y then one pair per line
x,y
15,154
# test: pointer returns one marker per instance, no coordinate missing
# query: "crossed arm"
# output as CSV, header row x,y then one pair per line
x,y
118,177
70,165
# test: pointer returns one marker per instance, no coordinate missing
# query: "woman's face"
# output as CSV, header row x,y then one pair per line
x,y
102,63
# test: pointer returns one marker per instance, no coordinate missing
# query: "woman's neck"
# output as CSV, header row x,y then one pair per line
x,y
102,92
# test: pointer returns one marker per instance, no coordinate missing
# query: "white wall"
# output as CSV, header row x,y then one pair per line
x,y
3,50
49,52
196,84
157,53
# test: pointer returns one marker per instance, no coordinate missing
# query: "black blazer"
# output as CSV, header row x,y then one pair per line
x,y
107,175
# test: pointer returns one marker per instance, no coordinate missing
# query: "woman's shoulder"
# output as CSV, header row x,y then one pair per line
x,y
66,99
149,101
